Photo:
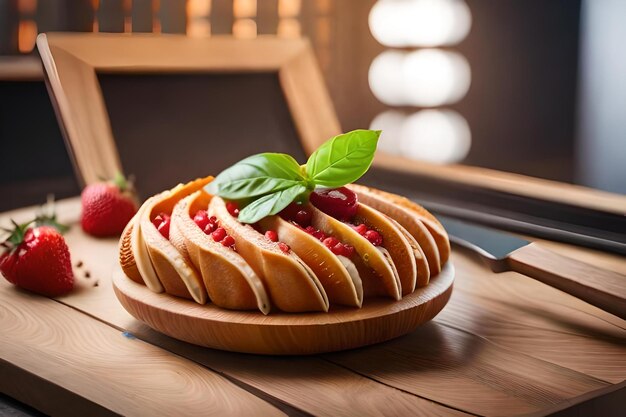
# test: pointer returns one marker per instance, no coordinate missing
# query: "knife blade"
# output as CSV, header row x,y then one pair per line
x,y
504,252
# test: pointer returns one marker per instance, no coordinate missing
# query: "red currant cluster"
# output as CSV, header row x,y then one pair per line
x,y
210,225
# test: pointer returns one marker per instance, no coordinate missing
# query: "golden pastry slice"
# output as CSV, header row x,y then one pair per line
x,y
374,263
174,270
422,225
126,257
229,280
292,285
337,273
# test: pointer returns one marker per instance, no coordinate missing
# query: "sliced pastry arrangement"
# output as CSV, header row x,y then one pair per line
x,y
271,235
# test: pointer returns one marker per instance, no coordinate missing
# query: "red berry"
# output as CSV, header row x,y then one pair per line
x,y
374,237
162,223
233,208
330,242
340,203
106,209
40,262
303,217
210,227
319,235
213,219
290,212
201,219
310,230
272,235
348,251
228,241
337,249
218,234
360,229
284,247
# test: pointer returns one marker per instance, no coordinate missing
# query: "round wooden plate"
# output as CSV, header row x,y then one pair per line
x,y
284,333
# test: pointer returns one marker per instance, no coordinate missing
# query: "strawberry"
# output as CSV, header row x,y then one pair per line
x,y
107,207
37,259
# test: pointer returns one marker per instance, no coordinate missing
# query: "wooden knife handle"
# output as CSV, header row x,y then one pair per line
x,y
599,287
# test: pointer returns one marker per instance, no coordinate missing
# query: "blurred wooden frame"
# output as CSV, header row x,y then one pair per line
x,y
72,61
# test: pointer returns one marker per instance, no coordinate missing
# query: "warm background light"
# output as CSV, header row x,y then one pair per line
x,y
425,78
439,136
411,23
433,77
390,122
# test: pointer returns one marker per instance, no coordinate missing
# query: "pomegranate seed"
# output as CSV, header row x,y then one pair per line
x,y
310,230
337,249
272,235
210,227
164,227
347,251
290,212
374,237
228,241
284,247
159,219
330,242
233,208
218,234
201,219
319,235
360,229
213,219
341,203
303,217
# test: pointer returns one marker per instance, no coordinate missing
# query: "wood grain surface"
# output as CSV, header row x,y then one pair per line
x,y
504,345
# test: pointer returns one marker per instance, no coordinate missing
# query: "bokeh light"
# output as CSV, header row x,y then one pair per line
x,y
410,23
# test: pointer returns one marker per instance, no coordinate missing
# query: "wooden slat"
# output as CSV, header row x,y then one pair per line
x,y
221,17
142,15
173,15
111,16
464,371
124,375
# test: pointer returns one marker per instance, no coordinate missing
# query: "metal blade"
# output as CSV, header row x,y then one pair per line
x,y
489,242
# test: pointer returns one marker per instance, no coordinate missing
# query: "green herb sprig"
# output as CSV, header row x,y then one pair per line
x,y
269,182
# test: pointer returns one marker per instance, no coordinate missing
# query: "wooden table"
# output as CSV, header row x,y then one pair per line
x,y
504,345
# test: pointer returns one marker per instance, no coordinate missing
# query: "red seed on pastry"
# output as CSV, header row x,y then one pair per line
x,y
330,242
341,203
210,227
201,219
228,241
162,223
218,234
337,249
319,235
272,235
233,208
374,237
347,251
360,229
284,247
303,217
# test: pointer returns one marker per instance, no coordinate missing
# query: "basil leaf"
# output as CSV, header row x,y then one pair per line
x,y
269,204
343,159
257,175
